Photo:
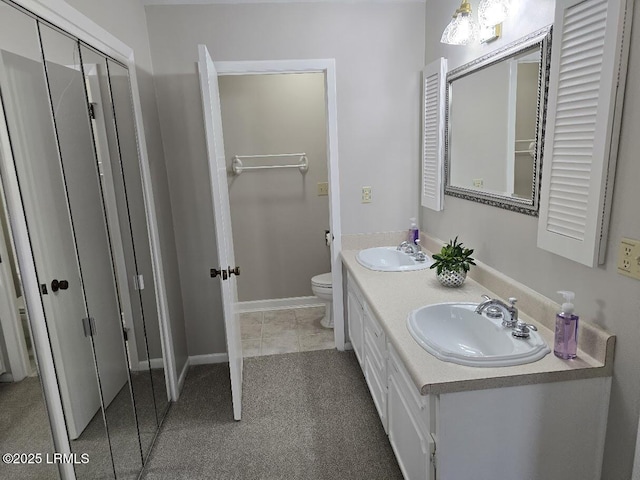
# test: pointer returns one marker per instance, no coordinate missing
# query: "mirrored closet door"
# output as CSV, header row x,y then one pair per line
x,y
74,147
24,426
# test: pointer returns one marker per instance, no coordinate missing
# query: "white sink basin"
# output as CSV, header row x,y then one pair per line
x,y
390,259
453,332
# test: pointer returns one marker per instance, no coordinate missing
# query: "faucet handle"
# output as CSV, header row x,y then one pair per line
x,y
512,301
522,329
486,297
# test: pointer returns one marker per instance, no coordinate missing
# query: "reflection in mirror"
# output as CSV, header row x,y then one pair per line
x,y
132,215
92,240
27,109
107,147
24,424
495,125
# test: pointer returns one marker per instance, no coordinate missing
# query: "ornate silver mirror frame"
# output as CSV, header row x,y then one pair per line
x,y
542,40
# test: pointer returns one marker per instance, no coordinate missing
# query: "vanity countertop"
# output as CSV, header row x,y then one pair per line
x,y
391,296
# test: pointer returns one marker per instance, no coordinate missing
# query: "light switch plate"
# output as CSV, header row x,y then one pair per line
x,y
366,194
323,188
629,258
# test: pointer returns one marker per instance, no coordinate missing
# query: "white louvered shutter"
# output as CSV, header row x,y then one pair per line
x,y
581,147
434,84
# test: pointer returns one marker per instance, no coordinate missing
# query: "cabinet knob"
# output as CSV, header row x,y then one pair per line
x,y
234,271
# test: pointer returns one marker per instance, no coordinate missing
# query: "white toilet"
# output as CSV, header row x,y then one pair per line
x,y
321,287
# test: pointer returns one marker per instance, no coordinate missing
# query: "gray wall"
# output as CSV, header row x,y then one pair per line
x,y
602,296
125,19
378,49
277,217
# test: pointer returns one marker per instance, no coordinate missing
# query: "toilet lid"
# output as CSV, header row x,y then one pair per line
x,y
322,280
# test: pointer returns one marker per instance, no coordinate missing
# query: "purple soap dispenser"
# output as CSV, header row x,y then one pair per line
x,y
566,338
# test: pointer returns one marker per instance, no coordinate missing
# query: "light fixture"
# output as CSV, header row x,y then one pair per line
x,y
462,30
489,33
493,12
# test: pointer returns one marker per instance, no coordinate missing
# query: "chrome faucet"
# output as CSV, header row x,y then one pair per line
x,y
407,248
413,249
510,312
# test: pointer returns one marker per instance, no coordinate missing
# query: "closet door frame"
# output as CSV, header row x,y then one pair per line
x,y
63,16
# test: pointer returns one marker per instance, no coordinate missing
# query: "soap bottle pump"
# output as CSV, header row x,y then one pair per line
x,y
566,337
414,233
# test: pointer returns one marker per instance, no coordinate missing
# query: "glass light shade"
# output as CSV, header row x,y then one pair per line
x,y
446,35
493,12
464,30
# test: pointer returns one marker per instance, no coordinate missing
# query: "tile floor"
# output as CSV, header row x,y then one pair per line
x,y
284,331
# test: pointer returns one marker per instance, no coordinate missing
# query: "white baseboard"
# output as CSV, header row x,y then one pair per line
x,y
208,359
279,304
155,364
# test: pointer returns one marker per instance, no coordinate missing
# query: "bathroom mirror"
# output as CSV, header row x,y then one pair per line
x,y
495,125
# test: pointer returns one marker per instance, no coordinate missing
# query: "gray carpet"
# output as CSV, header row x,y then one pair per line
x,y
24,428
305,416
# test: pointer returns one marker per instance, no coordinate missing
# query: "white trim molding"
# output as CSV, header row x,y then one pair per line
x,y
278,304
208,359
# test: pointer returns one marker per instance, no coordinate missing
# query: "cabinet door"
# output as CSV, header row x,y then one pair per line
x,y
355,313
411,442
375,377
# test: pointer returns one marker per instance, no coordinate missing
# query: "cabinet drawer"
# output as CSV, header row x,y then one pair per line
x,y
378,359
378,389
373,326
418,403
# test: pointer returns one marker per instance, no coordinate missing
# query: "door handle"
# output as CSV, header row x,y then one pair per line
x,y
59,285
214,273
235,271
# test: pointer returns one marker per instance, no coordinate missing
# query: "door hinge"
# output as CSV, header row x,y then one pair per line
x,y
138,282
89,326
92,110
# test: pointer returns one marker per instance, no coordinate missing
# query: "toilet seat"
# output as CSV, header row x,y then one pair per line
x,y
321,287
322,280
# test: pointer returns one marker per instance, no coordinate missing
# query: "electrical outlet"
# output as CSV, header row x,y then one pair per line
x,y
323,188
629,258
478,182
366,194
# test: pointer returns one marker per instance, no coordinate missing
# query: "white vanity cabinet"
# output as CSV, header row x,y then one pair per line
x,y
552,430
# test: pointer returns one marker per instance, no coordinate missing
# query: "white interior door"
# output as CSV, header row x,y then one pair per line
x,y
224,238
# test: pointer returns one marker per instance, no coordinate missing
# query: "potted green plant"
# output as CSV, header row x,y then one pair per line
x,y
452,263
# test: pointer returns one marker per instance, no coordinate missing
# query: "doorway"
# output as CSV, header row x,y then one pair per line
x,y
273,124
324,70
